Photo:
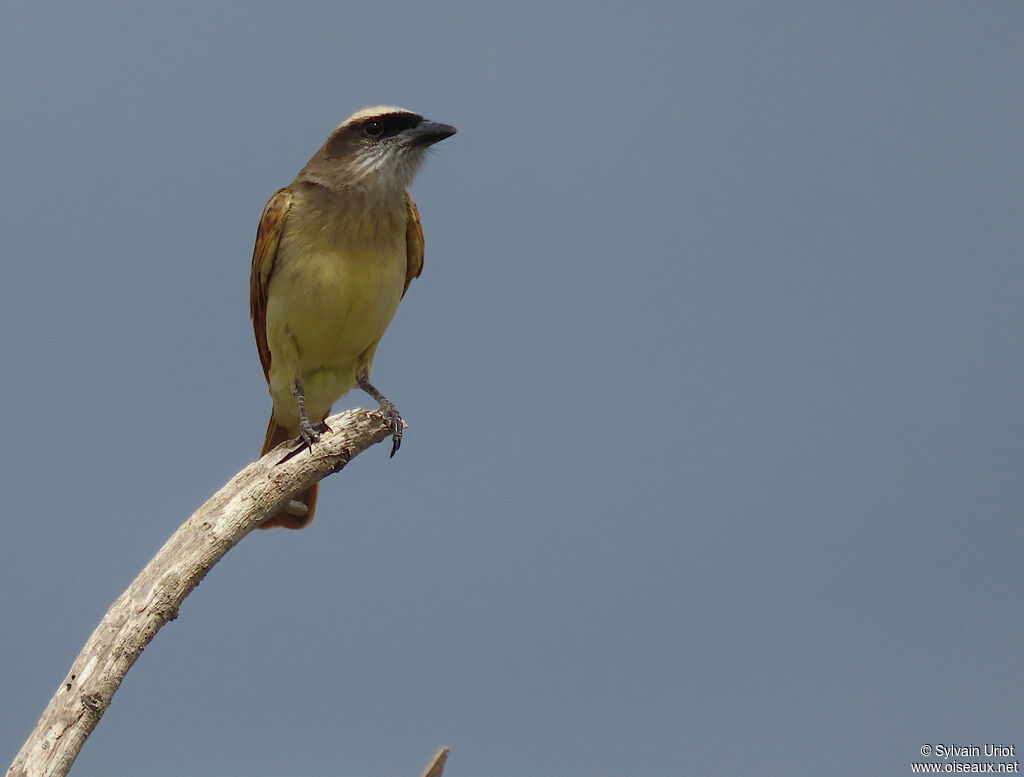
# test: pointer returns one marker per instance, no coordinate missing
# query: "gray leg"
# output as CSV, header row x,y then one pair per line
x,y
307,432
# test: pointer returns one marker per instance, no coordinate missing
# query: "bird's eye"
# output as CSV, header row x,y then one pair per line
x,y
373,128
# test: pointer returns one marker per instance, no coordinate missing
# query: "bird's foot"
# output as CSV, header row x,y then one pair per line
x,y
388,412
308,434
311,434
393,419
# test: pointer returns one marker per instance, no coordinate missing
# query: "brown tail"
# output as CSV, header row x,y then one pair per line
x,y
275,436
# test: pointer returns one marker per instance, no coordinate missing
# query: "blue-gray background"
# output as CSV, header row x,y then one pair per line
x,y
713,377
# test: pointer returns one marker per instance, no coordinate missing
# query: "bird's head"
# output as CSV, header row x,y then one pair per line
x,y
375,151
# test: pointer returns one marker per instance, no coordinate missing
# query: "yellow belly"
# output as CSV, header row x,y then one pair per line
x,y
327,308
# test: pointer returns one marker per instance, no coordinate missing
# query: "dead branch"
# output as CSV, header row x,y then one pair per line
x,y
254,494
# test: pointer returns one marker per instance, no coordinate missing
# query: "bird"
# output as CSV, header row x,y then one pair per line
x,y
335,253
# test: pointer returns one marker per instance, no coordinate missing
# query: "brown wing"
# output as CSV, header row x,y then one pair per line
x,y
268,235
413,242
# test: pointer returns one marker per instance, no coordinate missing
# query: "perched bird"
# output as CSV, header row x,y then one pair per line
x,y
335,253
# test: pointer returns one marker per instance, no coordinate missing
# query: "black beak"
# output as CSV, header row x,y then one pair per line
x,y
427,133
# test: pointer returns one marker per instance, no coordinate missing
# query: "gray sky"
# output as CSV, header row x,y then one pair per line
x,y
713,378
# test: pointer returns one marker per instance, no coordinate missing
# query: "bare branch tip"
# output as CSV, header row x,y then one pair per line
x,y
436,768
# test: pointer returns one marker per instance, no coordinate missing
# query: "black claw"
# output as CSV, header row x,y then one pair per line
x,y
309,435
388,412
394,421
